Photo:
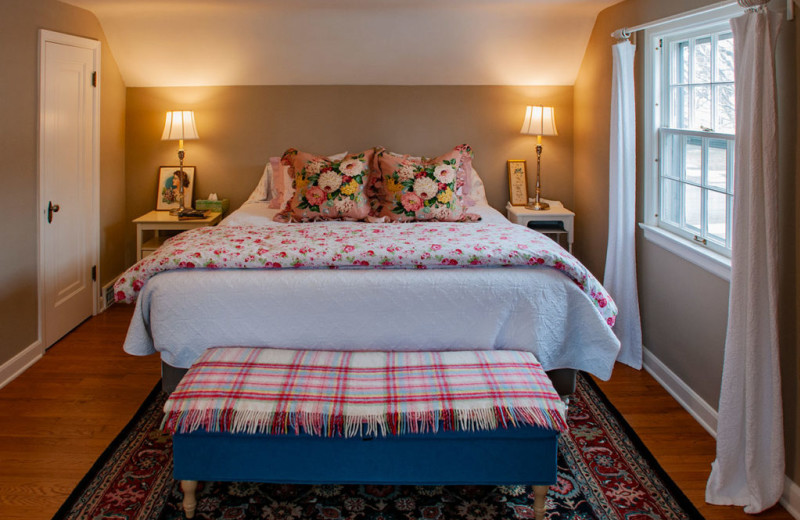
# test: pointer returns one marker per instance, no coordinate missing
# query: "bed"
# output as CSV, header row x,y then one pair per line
x,y
180,313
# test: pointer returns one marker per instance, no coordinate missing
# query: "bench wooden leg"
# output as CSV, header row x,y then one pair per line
x,y
539,500
189,488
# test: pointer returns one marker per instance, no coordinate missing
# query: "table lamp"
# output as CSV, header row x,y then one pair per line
x,y
180,125
539,121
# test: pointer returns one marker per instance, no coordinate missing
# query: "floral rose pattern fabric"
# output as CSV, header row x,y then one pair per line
x,y
405,189
336,245
327,189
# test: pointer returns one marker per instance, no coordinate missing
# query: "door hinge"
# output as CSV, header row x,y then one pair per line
x,y
94,273
94,79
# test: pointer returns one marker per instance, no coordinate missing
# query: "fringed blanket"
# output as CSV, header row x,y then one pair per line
x,y
349,394
335,245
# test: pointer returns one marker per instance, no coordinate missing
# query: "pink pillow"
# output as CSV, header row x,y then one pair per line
x,y
477,192
282,179
327,189
464,178
406,189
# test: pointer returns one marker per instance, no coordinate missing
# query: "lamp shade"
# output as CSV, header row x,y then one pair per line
x,y
179,125
539,121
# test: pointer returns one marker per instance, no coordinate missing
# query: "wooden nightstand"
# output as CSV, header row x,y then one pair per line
x,y
556,220
158,221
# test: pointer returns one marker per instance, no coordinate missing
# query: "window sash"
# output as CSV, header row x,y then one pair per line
x,y
675,188
680,82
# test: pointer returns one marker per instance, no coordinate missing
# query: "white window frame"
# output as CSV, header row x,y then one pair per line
x,y
713,261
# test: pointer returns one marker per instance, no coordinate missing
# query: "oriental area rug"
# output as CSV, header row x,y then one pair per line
x,y
604,472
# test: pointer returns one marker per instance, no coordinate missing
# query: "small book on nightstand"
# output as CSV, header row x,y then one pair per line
x,y
193,214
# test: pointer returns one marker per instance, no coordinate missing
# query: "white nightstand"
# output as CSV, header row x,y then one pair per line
x,y
555,220
158,221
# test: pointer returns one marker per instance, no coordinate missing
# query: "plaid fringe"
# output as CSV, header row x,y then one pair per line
x,y
327,425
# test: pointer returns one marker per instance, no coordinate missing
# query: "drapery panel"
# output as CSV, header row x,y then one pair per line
x,y
620,274
749,468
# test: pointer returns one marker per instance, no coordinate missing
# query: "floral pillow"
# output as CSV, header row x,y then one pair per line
x,y
327,189
406,189
282,180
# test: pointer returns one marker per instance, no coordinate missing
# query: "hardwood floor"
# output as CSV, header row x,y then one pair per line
x,y
60,415
682,447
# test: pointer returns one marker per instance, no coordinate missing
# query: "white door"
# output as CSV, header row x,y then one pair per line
x,y
66,178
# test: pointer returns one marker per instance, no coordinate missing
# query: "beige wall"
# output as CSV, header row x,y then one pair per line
x,y
113,216
790,361
241,127
683,307
20,21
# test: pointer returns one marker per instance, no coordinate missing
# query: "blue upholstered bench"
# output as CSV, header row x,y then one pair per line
x,y
284,446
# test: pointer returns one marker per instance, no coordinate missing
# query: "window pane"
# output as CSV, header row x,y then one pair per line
x,y
680,64
679,108
726,109
693,159
724,63
701,100
691,207
701,72
718,163
717,215
671,202
671,155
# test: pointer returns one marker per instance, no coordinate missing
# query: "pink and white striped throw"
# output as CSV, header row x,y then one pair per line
x,y
323,393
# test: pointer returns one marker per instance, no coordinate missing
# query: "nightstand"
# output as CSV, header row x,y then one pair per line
x,y
159,221
555,221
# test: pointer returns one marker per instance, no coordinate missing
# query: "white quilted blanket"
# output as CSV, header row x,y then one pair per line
x,y
181,313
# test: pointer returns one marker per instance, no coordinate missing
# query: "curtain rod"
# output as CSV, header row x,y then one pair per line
x,y
625,32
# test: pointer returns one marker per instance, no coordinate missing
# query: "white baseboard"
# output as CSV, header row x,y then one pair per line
x,y
791,498
702,412
20,363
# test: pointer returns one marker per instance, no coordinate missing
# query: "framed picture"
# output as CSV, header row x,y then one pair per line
x,y
518,182
168,187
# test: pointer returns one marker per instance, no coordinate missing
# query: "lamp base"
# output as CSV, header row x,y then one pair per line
x,y
538,206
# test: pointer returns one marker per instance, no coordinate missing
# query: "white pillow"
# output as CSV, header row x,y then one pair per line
x,y
263,190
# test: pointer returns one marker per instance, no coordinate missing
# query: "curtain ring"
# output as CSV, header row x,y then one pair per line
x,y
752,3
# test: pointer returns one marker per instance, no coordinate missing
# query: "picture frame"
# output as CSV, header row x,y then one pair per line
x,y
517,182
167,188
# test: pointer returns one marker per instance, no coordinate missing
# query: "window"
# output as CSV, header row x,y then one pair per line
x,y
691,132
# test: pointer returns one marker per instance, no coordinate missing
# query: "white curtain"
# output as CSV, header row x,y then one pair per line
x,y
620,275
749,467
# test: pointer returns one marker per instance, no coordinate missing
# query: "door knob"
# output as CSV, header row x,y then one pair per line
x,y
51,208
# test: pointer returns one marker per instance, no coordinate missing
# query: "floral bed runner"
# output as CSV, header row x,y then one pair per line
x,y
350,394
353,245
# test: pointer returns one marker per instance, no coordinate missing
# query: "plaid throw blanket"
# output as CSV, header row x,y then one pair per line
x,y
330,394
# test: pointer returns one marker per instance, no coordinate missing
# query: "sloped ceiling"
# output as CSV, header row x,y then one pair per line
x,y
347,42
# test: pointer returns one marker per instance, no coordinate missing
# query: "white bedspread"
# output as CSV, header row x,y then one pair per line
x,y
181,313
